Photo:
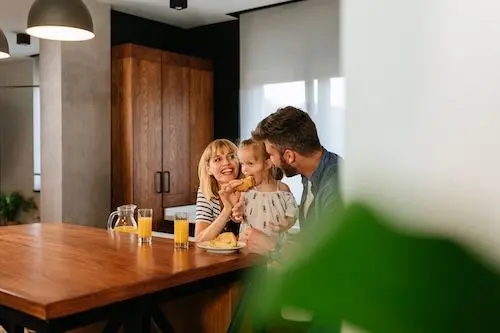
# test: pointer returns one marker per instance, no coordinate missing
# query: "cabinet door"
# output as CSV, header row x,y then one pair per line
x,y
122,160
201,119
176,131
147,114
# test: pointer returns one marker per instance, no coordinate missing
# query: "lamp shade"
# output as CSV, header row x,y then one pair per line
x,y
4,46
64,20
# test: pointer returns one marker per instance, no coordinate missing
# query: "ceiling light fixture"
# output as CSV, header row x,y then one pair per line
x,y
4,46
178,4
64,20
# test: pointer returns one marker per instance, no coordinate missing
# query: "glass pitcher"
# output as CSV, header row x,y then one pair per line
x,y
125,221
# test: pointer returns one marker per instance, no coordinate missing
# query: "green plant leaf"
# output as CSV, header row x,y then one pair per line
x,y
13,203
363,270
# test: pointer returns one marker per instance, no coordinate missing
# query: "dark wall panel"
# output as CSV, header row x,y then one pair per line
x,y
127,28
221,42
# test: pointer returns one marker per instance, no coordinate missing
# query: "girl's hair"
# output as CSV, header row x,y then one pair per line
x,y
208,185
260,150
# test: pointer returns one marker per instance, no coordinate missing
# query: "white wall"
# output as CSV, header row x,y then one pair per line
x,y
423,114
16,128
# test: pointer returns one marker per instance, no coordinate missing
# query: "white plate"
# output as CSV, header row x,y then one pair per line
x,y
206,246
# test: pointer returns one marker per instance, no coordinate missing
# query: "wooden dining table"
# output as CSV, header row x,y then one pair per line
x,y
56,277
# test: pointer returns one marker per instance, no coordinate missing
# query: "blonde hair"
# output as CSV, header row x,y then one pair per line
x,y
208,185
260,150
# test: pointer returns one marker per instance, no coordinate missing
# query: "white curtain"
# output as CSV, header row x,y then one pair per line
x,y
289,55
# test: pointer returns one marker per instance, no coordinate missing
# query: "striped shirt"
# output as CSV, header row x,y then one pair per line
x,y
207,210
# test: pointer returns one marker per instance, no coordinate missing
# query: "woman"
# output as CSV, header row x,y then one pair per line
x,y
218,166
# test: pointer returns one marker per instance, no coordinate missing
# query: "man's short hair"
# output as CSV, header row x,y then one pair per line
x,y
289,128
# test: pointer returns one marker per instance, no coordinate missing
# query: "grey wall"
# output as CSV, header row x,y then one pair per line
x,y
75,95
16,128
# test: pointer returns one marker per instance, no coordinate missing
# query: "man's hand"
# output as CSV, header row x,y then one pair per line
x,y
257,241
283,225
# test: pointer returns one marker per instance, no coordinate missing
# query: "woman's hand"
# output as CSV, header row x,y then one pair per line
x,y
257,241
234,183
229,199
237,206
228,195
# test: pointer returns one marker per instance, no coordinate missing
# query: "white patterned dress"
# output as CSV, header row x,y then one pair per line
x,y
260,208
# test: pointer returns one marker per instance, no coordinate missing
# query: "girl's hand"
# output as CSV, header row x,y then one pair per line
x,y
237,212
243,236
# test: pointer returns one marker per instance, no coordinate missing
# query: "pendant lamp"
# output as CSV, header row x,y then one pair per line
x,y
64,20
4,46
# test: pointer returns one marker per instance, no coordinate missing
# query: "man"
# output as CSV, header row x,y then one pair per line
x,y
291,139
292,142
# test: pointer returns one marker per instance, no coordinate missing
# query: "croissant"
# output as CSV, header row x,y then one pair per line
x,y
247,184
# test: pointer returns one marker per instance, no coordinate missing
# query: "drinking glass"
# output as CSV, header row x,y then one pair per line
x,y
145,225
181,231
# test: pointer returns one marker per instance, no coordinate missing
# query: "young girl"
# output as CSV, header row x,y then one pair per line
x,y
269,206
218,166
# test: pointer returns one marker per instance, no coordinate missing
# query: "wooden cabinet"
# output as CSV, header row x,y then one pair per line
x,y
201,116
177,157
162,119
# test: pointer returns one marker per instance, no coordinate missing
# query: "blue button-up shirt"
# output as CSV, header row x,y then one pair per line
x,y
325,188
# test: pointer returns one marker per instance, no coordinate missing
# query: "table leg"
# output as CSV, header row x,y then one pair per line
x,y
146,324
48,329
139,324
112,326
13,329
160,321
133,326
16,329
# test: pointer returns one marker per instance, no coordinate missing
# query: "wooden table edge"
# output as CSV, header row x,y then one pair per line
x,y
76,305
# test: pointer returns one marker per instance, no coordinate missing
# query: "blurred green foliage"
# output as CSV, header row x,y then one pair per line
x,y
360,268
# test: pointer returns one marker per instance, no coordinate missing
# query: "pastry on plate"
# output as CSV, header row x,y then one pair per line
x,y
226,239
247,184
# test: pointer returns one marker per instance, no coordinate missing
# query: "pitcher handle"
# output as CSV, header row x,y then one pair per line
x,y
110,219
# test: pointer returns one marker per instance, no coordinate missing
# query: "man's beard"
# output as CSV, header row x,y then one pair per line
x,y
288,170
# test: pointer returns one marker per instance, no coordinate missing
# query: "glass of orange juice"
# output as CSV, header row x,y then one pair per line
x,y
145,225
181,231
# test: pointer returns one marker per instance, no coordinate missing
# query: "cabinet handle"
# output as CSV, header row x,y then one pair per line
x,y
158,182
166,188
